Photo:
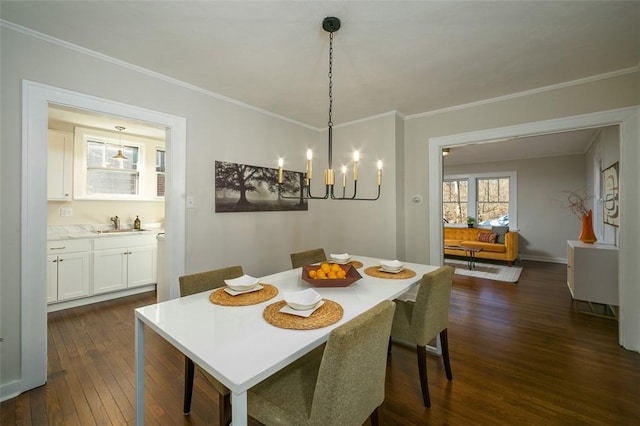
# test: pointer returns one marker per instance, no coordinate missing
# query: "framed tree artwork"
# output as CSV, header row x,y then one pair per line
x,y
610,201
245,188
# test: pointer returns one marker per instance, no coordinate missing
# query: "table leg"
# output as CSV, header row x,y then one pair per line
x,y
139,361
239,409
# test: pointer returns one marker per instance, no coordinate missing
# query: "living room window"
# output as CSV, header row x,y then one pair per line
x,y
490,198
455,195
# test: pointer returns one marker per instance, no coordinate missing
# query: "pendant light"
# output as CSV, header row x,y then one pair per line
x,y
120,155
330,25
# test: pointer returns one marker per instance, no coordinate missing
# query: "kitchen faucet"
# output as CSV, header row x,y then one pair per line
x,y
116,221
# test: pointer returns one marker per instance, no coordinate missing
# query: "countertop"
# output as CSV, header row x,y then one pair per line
x,y
80,232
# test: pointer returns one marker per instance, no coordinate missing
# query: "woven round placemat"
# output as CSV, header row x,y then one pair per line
x,y
375,271
221,297
355,263
330,312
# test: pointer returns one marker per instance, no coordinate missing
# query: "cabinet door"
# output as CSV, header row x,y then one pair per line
x,y
73,276
52,279
141,269
109,270
59,165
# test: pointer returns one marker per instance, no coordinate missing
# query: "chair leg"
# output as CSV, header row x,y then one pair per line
x,y
389,347
189,368
224,411
444,340
375,420
422,370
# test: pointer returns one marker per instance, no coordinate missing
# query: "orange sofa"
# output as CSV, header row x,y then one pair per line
x,y
468,237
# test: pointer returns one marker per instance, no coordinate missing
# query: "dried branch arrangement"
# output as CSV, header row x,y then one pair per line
x,y
577,200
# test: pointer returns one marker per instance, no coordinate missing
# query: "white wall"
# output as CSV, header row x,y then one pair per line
x,y
216,130
544,222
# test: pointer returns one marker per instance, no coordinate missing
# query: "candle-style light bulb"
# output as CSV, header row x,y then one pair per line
x,y
344,176
280,164
356,158
379,172
309,158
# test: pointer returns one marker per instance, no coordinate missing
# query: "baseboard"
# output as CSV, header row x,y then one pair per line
x,y
10,390
99,298
543,259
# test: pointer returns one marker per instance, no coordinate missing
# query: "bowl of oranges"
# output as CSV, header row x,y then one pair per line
x,y
328,274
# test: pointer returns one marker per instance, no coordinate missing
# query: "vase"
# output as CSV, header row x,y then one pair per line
x,y
587,235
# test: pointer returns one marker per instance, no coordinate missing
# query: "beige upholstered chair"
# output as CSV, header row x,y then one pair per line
x,y
421,321
307,257
344,385
196,283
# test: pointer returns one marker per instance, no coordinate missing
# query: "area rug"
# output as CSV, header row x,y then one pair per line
x,y
489,271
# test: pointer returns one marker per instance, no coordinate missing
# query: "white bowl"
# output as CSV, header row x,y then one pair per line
x,y
391,265
302,300
245,282
340,258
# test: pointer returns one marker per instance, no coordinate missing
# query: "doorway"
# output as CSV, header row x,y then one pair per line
x,y
628,119
36,100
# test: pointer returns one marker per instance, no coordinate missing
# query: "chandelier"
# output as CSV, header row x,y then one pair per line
x,y
330,25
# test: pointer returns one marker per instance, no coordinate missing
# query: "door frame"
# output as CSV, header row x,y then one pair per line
x,y
629,243
36,98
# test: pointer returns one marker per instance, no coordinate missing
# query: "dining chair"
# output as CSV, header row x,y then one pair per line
x,y
308,257
196,283
342,384
419,322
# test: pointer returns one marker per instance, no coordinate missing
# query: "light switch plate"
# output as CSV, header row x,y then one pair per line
x,y
190,202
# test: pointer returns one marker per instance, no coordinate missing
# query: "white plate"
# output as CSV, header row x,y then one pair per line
x,y
233,292
286,309
245,282
302,300
341,258
391,265
391,271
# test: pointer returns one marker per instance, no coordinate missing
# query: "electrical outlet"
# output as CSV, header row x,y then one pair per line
x,y
66,211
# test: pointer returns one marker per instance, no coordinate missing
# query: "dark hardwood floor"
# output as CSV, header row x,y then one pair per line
x,y
520,355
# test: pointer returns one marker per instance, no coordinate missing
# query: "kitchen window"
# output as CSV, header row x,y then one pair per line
x,y
98,176
160,170
106,175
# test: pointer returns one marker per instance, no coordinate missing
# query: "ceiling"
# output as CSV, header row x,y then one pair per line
x,y
407,56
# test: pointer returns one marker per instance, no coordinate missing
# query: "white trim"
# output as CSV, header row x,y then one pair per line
x,y
35,100
97,298
535,91
145,71
629,120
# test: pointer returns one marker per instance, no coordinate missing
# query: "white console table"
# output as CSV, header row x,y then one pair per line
x,y
592,272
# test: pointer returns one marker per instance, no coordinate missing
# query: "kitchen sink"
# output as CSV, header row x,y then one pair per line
x,y
119,231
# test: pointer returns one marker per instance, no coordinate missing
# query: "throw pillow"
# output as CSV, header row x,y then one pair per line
x,y
500,231
487,237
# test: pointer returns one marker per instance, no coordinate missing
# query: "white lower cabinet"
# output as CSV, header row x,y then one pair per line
x,y
83,268
123,262
68,270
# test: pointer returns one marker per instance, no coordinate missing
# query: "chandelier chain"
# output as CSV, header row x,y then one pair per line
x,y
330,123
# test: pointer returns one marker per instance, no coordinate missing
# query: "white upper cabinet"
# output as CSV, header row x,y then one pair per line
x,y
59,165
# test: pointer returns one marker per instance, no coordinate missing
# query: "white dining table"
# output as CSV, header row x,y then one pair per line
x,y
237,346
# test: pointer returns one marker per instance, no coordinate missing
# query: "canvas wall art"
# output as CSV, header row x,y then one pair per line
x,y
610,201
245,188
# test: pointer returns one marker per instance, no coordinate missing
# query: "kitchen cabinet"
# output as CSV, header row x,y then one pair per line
x,y
592,272
59,165
68,265
124,262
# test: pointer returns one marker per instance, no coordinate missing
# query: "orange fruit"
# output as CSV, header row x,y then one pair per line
x,y
335,267
341,273
332,275
321,274
313,273
325,267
